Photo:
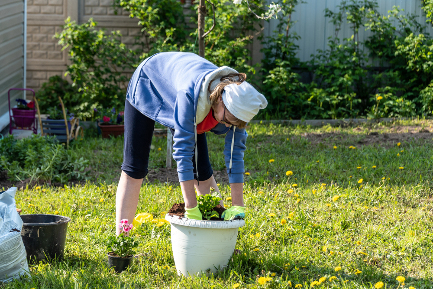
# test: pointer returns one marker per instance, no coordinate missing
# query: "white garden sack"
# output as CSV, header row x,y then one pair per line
x,y
13,261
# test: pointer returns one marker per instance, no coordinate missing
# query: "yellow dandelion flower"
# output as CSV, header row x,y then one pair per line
x,y
335,147
271,215
331,253
411,287
56,212
357,272
359,167
379,97
317,161
398,154
314,191
323,185
38,188
297,201
256,249
273,274
291,215
398,144
360,181
373,167
332,278
358,243
289,173
258,235
290,191
328,205
262,281
400,279
101,200
271,160
289,284
323,279
314,283
335,198
296,195
261,192
379,285
338,268
159,149
294,185
298,286
401,168
324,249
283,221
276,195
236,285
247,173
228,198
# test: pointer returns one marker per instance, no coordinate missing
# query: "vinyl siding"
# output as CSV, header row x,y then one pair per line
x,y
11,50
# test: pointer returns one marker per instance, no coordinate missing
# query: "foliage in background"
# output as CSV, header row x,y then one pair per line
x,y
162,21
48,94
99,63
344,85
281,84
235,28
40,159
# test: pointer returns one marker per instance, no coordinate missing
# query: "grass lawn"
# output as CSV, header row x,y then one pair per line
x,y
326,208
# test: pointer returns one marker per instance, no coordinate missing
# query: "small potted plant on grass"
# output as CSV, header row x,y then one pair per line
x,y
206,245
110,122
24,114
121,248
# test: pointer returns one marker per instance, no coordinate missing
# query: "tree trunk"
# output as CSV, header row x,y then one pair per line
x,y
201,23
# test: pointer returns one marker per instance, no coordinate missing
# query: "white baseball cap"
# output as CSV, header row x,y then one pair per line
x,y
243,100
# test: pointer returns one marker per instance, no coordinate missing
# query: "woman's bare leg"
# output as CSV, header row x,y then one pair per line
x,y
127,195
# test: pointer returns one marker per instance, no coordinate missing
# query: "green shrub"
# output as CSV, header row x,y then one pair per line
x,y
40,159
99,66
48,94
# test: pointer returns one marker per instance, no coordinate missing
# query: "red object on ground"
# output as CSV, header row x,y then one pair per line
x,y
108,130
207,124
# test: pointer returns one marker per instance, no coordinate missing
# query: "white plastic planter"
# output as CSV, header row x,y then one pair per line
x,y
202,246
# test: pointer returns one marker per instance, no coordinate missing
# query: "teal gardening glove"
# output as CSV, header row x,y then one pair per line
x,y
193,213
235,212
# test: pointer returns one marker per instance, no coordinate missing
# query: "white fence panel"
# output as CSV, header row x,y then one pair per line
x,y
314,29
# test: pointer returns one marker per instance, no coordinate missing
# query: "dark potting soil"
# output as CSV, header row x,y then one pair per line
x,y
178,209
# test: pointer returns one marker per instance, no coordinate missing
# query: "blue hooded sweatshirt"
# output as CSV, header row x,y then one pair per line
x,y
165,87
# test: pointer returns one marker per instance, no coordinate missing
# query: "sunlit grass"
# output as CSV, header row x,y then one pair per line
x,y
333,222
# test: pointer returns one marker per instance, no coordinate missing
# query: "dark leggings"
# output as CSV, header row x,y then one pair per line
x,y
138,138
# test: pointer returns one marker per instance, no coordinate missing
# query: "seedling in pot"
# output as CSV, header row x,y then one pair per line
x,y
206,203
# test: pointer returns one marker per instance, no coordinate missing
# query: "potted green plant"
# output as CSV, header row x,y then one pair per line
x,y
121,248
110,122
206,245
24,114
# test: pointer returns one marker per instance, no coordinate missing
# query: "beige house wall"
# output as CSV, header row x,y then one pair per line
x,y
45,18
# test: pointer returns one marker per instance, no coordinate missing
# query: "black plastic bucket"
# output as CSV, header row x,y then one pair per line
x,y
44,236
